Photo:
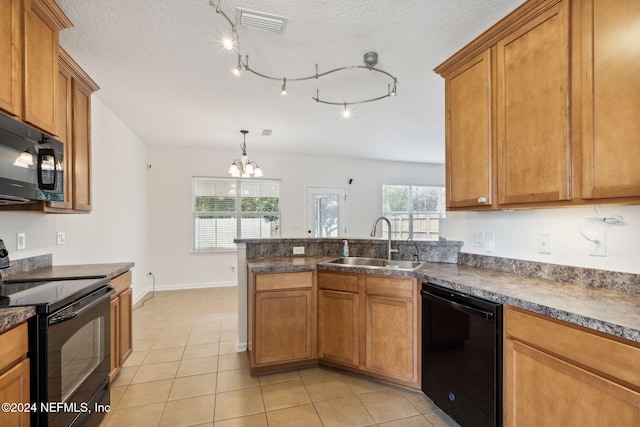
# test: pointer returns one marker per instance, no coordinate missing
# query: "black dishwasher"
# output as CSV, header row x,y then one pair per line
x,y
462,355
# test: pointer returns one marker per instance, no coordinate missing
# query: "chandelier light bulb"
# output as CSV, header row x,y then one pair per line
x,y
244,167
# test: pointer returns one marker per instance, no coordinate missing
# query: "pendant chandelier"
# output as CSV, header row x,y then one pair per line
x,y
243,167
233,41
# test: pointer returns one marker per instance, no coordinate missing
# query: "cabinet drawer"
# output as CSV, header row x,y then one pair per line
x,y
121,283
397,287
338,281
610,357
13,345
273,281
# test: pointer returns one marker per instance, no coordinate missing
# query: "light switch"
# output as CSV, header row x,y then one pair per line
x,y
489,241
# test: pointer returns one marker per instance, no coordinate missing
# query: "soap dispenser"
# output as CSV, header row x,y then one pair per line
x,y
345,249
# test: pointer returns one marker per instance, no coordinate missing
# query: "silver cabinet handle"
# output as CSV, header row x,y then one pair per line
x,y
482,200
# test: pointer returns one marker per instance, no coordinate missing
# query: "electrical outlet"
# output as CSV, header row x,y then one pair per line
x,y
598,243
544,243
60,238
298,250
21,241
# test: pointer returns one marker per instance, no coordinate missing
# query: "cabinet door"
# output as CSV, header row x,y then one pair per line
x,y
469,140
610,98
283,326
115,338
14,388
41,67
81,140
125,333
533,122
64,132
390,337
10,57
338,330
542,390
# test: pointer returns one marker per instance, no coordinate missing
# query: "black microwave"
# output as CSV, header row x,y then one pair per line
x,y
31,164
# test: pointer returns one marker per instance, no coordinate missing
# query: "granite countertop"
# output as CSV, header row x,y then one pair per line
x,y
610,311
605,310
282,264
109,271
11,316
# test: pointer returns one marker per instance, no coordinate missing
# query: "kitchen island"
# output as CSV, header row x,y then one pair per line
x,y
571,335
611,311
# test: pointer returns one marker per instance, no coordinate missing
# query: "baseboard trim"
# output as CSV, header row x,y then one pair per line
x,y
183,286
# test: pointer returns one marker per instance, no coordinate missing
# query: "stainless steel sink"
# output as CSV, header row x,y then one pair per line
x,y
375,263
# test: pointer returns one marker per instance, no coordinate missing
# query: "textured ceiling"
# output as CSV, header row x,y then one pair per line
x,y
162,70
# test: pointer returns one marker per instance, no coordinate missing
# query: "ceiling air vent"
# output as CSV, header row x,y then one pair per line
x,y
260,21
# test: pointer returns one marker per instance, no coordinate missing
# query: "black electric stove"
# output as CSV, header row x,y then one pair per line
x,y
47,295
69,345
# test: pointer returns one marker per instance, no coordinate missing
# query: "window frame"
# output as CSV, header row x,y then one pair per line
x,y
238,214
438,214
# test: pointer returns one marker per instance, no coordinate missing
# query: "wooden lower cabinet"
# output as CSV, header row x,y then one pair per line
x,y
121,322
370,324
14,374
390,337
338,327
284,320
558,374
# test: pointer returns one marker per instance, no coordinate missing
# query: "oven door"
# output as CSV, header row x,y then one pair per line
x,y
78,359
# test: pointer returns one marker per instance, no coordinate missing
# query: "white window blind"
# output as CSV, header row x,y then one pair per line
x,y
414,211
228,208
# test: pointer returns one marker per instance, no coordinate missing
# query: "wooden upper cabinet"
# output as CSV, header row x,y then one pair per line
x,y
43,20
81,145
11,57
469,151
610,98
73,125
64,131
533,115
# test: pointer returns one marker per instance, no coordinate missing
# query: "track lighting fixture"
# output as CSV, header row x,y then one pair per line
x,y
370,62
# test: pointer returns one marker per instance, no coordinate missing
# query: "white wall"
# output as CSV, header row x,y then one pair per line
x,y
516,235
116,229
175,266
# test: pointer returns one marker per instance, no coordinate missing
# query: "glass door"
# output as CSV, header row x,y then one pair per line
x,y
326,212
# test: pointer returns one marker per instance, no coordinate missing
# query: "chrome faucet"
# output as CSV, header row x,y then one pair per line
x,y
373,233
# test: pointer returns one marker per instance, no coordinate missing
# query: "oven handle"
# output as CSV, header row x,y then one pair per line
x,y
488,315
80,306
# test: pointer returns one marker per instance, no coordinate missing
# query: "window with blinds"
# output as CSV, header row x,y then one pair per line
x,y
228,208
414,211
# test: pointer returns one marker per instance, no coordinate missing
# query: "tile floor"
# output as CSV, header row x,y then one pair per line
x,y
185,371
